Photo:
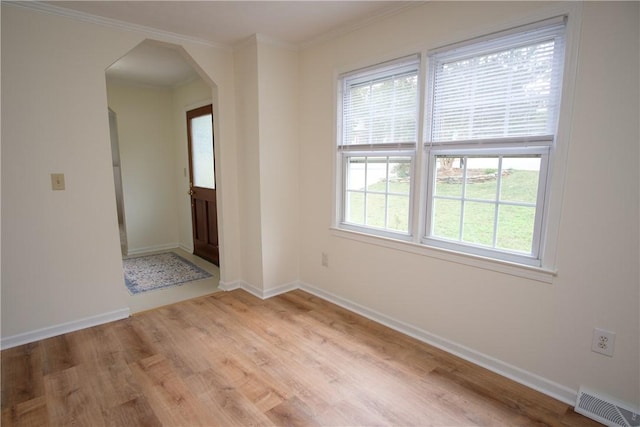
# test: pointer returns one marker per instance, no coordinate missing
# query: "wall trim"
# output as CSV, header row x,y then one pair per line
x,y
529,379
113,23
186,248
63,328
282,289
257,292
151,249
230,286
521,376
539,274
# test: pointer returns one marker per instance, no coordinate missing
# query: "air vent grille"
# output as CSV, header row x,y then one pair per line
x,y
604,410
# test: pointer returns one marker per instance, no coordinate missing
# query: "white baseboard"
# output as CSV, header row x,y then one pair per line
x,y
257,292
63,328
230,286
529,379
536,382
282,289
186,248
152,249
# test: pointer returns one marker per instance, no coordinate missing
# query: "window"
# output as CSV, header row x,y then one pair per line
x,y
377,147
489,121
487,201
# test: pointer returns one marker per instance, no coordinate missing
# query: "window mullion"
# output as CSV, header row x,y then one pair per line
x,y
497,202
462,200
386,195
366,190
420,170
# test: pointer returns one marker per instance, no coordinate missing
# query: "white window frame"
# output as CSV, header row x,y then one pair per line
x,y
510,256
346,151
499,145
386,232
545,269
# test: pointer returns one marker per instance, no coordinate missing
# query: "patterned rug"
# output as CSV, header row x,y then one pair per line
x,y
148,273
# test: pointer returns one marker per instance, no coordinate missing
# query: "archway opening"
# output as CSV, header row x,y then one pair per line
x,y
150,89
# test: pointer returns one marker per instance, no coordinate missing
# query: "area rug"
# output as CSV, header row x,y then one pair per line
x,y
151,272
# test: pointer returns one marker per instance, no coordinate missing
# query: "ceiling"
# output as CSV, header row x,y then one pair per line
x,y
229,22
225,23
153,64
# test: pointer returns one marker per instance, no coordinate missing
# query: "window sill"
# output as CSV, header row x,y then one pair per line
x,y
528,272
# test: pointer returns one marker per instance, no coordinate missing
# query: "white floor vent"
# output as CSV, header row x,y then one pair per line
x,y
605,410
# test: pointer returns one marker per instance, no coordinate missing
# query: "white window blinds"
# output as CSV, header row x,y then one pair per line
x,y
500,88
381,108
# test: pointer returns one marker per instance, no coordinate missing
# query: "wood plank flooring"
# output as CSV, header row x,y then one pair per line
x,y
232,359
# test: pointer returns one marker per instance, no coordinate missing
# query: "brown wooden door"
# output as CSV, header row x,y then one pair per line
x,y
202,178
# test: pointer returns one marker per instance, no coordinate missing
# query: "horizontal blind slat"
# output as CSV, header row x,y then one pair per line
x,y
381,110
505,87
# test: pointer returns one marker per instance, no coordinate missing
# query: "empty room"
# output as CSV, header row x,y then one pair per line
x,y
423,213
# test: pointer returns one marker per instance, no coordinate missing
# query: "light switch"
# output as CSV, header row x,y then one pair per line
x,y
57,181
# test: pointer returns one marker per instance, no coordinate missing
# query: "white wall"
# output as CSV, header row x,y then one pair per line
x,y
267,93
147,151
246,69
60,250
543,329
61,258
61,255
279,159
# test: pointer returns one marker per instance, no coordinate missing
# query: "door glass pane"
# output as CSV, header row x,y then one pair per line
x,y
202,152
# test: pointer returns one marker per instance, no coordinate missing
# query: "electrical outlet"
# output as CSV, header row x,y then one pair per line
x,y
603,342
325,259
57,181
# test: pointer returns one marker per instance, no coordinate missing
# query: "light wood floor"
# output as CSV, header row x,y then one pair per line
x,y
232,359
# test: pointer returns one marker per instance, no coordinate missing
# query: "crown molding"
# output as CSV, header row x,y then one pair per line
x,y
112,23
258,38
177,38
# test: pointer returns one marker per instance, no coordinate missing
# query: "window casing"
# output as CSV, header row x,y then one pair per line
x,y
490,122
379,115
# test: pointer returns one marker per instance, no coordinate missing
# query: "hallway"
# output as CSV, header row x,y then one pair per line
x,y
161,297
